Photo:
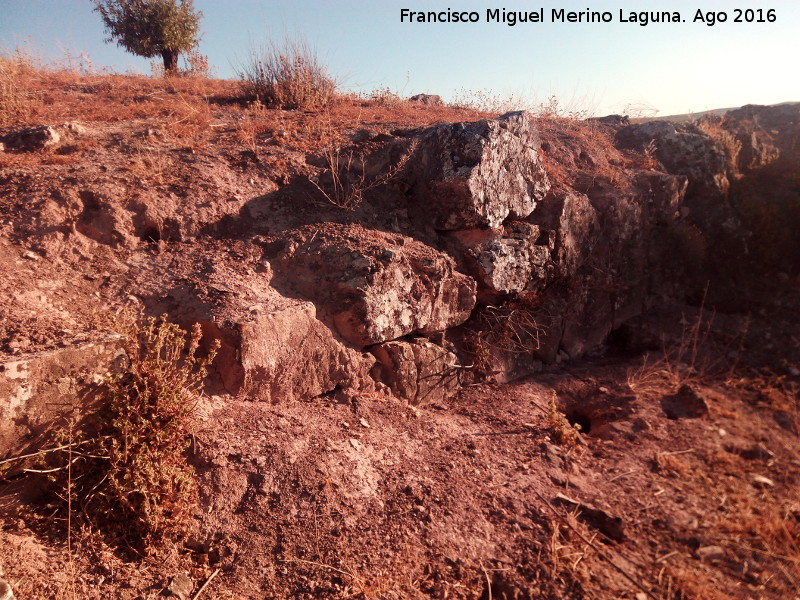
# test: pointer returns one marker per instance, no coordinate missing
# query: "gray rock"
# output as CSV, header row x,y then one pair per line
x,y
477,174
710,552
274,348
427,99
418,371
501,261
34,138
683,149
372,286
181,586
75,128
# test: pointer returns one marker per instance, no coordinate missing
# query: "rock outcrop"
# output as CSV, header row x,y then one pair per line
x,y
41,391
374,287
477,174
418,370
273,347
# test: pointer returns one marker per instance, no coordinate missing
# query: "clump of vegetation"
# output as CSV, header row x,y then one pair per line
x,y
151,28
130,476
347,177
17,100
288,75
564,433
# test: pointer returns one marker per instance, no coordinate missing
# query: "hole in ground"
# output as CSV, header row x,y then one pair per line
x,y
579,417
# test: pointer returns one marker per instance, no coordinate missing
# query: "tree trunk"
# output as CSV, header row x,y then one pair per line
x,y
170,62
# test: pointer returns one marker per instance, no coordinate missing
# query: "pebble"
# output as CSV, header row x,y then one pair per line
x,y
181,586
761,482
710,552
355,443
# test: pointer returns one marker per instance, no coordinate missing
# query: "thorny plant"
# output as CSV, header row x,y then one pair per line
x,y
129,475
511,328
349,181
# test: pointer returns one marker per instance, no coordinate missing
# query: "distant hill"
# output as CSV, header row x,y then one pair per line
x,y
697,115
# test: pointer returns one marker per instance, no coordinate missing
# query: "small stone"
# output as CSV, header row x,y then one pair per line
x,y
641,596
75,128
688,403
758,452
355,443
710,552
181,586
761,482
31,255
364,423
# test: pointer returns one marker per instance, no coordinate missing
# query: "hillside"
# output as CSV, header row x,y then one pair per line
x,y
455,354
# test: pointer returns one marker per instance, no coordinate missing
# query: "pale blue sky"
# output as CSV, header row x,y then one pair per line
x,y
603,67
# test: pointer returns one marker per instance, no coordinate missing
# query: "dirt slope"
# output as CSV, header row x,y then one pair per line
x,y
683,483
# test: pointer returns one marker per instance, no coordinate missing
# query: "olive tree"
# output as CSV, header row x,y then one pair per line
x,y
152,28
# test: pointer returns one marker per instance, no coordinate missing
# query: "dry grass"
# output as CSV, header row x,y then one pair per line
x,y
515,327
692,360
345,182
578,154
288,75
125,474
564,433
711,125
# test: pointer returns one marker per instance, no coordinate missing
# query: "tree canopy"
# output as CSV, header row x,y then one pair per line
x,y
151,28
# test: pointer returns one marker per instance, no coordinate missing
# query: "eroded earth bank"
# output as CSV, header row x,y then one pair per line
x,y
413,314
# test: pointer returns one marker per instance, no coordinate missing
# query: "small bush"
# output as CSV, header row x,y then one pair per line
x,y
564,433
130,476
17,100
287,76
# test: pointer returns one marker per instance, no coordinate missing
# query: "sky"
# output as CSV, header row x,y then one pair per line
x,y
601,67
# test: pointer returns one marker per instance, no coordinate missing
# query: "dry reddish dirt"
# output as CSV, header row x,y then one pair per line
x,y
487,495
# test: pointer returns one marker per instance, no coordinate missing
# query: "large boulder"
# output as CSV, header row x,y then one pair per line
x,y
427,99
763,133
683,149
279,351
466,175
273,347
373,286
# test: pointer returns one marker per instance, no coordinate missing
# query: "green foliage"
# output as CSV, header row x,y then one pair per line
x,y
151,28
288,76
131,477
